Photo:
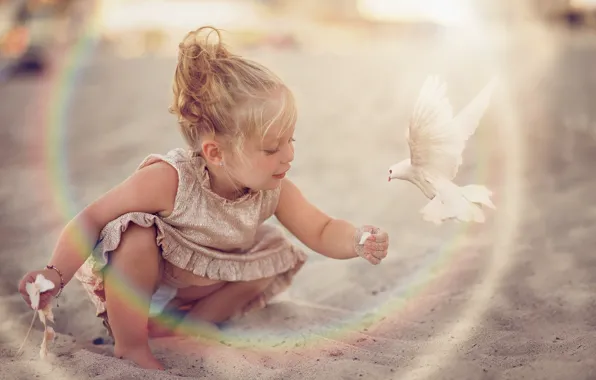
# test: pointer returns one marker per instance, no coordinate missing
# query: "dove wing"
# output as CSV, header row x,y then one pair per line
x,y
435,144
469,117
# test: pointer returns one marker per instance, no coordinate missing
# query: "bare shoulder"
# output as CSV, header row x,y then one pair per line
x,y
151,189
159,170
163,179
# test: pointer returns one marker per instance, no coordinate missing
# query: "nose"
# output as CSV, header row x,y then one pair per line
x,y
390,171
288,155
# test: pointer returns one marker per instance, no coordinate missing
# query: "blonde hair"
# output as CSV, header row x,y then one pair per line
x,y
218,93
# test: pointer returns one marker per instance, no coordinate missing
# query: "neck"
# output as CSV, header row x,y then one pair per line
x,y
223,185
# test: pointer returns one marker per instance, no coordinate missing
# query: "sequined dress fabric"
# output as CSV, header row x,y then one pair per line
x,y
205,236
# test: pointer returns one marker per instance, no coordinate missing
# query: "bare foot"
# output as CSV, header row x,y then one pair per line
x,y
141,356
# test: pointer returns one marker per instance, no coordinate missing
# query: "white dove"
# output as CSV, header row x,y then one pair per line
x,y
437,140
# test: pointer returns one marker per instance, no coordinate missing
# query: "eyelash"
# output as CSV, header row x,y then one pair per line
x,y
272,152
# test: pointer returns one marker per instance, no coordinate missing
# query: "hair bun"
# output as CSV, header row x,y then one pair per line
x,y
198,46
200,60
200,77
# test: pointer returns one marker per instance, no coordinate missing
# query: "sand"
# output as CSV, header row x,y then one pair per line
x,y
509,299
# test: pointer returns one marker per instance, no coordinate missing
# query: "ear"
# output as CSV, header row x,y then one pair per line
x,y
212,151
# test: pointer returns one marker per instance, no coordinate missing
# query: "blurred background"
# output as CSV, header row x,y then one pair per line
x,y
85,86
30,29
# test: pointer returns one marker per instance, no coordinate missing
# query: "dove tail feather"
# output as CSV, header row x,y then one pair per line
x,y
478,194
459,203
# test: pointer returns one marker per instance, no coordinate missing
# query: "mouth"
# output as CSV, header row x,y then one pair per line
x,y
280,176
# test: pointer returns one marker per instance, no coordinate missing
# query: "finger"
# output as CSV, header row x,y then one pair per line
x,y
373,260
24,281
380,254
381,237
45,297
23,290
25,297
371,246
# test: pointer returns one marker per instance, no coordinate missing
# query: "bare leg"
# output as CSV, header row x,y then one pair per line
x,y
230,299
135,265
184,301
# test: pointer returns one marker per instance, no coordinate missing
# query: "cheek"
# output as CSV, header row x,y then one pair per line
x,y
252,169
265,163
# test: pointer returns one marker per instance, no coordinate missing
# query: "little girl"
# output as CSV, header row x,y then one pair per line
x,y
186,231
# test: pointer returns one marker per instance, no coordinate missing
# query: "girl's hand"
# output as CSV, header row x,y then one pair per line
x,y
46,297
375,247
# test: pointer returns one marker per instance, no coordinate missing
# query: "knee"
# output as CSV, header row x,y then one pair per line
x,y
138,248
137,254
141,240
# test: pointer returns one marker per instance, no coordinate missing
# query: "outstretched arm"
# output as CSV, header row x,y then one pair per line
x,y
334,238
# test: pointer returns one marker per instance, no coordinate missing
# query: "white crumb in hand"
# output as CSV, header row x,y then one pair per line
x,y
34,289
365,236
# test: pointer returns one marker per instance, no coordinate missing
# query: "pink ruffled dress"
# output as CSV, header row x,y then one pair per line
x,y
206,235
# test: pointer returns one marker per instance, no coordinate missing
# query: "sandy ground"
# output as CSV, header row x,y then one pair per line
x,y
509,299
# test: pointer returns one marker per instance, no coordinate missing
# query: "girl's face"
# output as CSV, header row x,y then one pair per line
x,y
266,161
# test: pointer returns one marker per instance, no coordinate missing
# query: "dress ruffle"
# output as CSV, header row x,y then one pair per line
x,y
272,255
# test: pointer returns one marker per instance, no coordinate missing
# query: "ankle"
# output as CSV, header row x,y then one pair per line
x,y
123,350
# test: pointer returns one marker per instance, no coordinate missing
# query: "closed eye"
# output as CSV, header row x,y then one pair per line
x,y
270,152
